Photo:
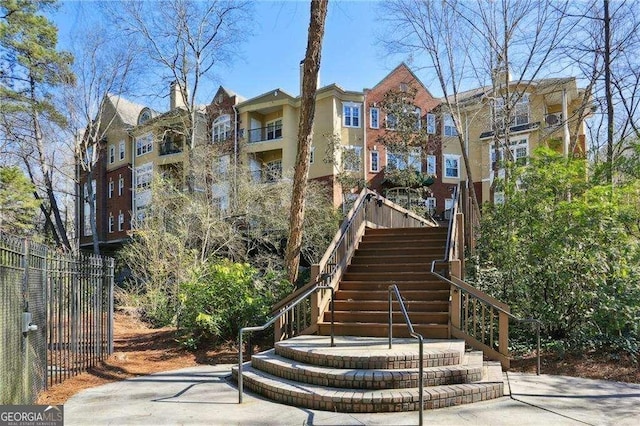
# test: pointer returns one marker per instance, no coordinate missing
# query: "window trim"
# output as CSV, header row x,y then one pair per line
x,y
121,150
120,221
111,222
434,166
352,106
144,144
445,157
451,126
377,118
120,185
275,129
111,188
377,162
312,154
221,122
112,154
431,124
414,159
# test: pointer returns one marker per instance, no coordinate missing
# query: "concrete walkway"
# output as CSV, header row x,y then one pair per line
x,y
205,395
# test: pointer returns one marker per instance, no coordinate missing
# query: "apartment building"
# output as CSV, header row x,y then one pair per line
x,y
268,125
543,112
112,179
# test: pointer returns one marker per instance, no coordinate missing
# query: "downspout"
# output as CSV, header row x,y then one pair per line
x,y
235,157
134,189
364,143
565,123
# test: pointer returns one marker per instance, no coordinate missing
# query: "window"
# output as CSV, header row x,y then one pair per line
x,y
431,165
144,174
519,149
448,203
120,185
221,167
120,221
374,118
498,197
87,207
403,161
351,114
312,154
110,223
431,124
274,129
110,188
375,161
144,144
451,166
519,111
221,128
112,154
121,147
351,158
273,171
449,126
431,204
391,121
418,123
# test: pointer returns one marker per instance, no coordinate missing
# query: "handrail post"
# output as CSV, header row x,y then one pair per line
x,y
390,333
421,378
240,366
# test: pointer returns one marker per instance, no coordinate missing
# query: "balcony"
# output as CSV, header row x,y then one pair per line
x,y
553,119
170,145
269,133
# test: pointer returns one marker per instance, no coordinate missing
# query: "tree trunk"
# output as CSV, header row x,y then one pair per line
x,y
608,93
305,127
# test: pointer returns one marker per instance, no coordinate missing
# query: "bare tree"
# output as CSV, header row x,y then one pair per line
x,y
189,41
305,128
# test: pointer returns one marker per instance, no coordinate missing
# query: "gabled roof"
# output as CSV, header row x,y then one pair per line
x,y
231,94
406,68
271,94
540,84
127,111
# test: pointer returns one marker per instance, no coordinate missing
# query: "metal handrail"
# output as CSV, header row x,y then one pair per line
x,y
452,218
393,289
274,319
499,309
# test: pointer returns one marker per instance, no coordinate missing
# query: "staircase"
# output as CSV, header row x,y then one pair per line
x,y
361,373
400,256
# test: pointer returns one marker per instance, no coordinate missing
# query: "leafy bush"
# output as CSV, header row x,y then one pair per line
x,y
221,297
566,251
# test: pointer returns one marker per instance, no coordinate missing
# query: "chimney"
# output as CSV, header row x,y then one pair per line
x,y
177,97
302,77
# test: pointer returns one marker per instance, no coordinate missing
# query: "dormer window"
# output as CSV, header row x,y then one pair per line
x,y
144,116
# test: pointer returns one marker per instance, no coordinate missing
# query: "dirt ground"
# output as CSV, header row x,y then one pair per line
x,y
140,350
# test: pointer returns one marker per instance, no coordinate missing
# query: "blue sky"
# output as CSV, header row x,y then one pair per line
x,y
271,57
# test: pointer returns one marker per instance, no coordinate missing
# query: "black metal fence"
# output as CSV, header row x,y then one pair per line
x,y
56,316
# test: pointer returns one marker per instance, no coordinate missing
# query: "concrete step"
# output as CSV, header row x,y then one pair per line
x,y
374,329
370,353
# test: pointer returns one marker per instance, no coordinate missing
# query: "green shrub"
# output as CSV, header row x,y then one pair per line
x,y
223,296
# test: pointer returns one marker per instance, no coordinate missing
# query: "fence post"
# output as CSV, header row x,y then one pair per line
x,y
503,338
111,304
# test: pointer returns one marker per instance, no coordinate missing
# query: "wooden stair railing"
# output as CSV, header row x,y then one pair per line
x,y
481,320
369,210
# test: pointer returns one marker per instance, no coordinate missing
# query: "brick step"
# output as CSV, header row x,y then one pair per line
x,y
381,305
364,400
395,258
390,277
402,285
425,247
430,331
409,295
369,352
382,316
399,378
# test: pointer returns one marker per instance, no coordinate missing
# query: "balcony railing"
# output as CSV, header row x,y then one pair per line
x,y
167,148
268,133
266,175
